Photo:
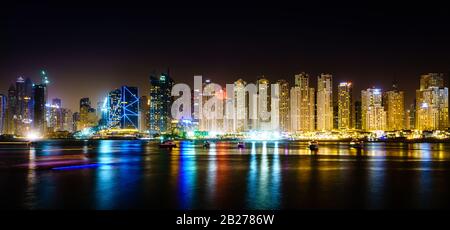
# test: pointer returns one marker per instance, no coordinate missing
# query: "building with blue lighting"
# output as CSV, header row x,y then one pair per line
x,y
123,108
160,103
2,113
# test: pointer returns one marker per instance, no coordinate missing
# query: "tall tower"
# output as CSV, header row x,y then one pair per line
x,y
394,105
263,86
39,95
241,108
345,106
85,105
325,102
144,114
432,103
130,110
2,113
284,106
160,102
302,104
373,116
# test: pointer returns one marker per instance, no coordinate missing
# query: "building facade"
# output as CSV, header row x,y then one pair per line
x,y
284,103
394,105
160,102
373,115
325,102
432,103
302,105
345,106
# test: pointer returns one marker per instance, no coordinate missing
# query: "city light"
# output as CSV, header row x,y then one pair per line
x,y
33,136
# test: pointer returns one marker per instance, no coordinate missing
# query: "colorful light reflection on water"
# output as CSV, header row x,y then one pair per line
x,y
263,175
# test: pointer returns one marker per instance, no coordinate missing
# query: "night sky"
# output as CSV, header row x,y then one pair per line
x,y
89,49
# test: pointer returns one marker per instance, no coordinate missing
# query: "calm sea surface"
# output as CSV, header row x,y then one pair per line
x,y
270,175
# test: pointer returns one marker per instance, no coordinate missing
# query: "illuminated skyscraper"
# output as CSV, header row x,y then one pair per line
x,y
144,114
264,104
160,102
284,105
432,103
410,123
394,105
11,111
2,113
302,104
55,117
373,116
24,106
124,108
40,101
325,102
345,106
241,108
75,121
431,80
358,115
39,96
85,105
67,120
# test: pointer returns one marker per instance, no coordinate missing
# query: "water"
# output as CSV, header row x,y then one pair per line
x,y
265,175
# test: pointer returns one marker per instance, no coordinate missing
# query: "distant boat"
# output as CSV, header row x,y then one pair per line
x,y
241,145
206,144
168,144
313,145
357,144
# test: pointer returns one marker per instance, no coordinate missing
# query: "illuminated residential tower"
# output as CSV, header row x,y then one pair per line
x,y
432,103
345,106
325,102
302,104
373,116
160,102
394,105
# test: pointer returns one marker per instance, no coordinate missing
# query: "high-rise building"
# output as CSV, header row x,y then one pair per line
x,y
144,114
345,106
92,118
240,106
432,103
358,115
284,104
431,80
55,119
85,105
302,104
325,102
11,111
40,101
410,115
123,108
39,95
264,104
23,106
75,121
160,102
394,105
67,120
2,113
373,116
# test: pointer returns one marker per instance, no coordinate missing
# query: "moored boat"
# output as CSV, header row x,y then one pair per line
x,y
168,144
313,145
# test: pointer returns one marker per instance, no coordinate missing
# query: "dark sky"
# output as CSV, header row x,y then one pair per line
x,y
89,49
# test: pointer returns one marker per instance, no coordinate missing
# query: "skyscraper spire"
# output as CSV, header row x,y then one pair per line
x,y
44,77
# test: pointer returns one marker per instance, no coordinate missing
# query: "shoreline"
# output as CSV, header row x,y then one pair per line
x,y
406,141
